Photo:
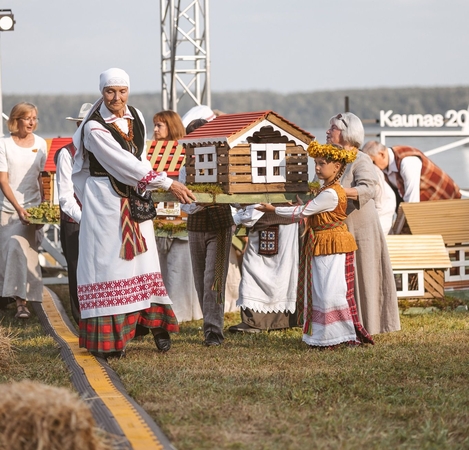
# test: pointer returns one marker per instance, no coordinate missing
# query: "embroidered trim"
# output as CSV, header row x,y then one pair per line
x,y
111,294
150,176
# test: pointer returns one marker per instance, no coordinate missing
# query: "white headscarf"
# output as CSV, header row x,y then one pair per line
x,y
113,77
110,77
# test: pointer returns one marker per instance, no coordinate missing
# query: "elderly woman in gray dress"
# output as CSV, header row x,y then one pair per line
x,y
375,289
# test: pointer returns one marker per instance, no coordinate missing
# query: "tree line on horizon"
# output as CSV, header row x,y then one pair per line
x,y
308,110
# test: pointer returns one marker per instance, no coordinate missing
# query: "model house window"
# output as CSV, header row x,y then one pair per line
x,y
205,164
409,283
459,257
268,163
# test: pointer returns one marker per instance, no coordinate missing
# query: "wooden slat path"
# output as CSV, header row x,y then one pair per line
x,y
409,252
140,432
449,218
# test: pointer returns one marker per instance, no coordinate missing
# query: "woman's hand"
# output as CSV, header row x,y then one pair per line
x,y
183,194
265,207
351,193
23,215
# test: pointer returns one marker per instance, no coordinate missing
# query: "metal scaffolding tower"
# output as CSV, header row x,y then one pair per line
x,y
185,52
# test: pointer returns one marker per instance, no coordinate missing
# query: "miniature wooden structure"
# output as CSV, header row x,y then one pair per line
x,y
254,152
419,264
448,218
167,156
48,176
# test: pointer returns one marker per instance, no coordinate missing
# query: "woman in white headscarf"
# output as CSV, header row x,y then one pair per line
x,y
119,281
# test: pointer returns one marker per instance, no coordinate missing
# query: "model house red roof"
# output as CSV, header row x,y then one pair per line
x,y
166,156
53,145
228,127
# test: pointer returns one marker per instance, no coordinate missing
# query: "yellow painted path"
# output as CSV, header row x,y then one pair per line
x,y
132,424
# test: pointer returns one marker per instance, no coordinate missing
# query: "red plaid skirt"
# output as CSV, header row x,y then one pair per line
x,y
111,333
362,335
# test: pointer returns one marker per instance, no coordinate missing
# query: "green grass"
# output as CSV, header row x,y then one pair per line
x,y
268,391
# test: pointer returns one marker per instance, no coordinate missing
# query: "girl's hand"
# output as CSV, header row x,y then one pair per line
x,y
299,202
266,207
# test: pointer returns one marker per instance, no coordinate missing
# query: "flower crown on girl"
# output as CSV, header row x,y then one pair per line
x,y
331,152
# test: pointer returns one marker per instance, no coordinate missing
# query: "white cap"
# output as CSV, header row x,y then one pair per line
x,y
198,112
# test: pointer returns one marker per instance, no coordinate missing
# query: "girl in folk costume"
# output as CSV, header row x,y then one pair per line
x,y
119,279
326,301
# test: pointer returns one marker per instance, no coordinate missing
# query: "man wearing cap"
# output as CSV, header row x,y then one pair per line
x,y
70,212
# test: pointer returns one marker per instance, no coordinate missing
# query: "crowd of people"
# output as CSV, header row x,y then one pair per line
x,y
328,269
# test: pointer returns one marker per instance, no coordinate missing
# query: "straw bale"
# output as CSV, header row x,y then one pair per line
x,y
7,348
35,416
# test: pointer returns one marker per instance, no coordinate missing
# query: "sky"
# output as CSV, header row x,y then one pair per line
x,y
285,46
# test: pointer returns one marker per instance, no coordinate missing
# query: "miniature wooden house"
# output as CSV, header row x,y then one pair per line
x,y
249,153
167,156
48,175
419,264
448,218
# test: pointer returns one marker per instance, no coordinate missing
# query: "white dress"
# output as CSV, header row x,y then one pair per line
x,y
108,284
332,321
268,282
20,272
385,201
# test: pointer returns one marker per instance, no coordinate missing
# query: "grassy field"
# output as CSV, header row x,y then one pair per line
x,y
268,391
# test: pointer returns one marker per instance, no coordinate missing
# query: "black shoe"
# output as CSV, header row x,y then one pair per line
x,y
162,341
243,328
212,340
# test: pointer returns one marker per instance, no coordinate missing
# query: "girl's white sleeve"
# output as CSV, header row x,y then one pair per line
x,y
327,200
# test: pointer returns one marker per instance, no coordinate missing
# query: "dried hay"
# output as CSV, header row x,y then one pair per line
x,y
7,348
35,416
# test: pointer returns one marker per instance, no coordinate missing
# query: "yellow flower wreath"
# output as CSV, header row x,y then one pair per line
x,y
331,152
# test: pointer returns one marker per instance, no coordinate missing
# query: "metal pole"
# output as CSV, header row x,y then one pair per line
x,y
1,95
208,89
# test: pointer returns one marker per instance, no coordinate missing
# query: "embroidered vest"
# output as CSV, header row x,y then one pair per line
x,y
135,147
329,230
434,183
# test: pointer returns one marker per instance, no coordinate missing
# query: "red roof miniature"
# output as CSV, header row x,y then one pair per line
x,y
52,146
229,127
166,156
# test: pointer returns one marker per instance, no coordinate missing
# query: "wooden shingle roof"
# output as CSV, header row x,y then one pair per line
x,y
408,252
449,218
232,128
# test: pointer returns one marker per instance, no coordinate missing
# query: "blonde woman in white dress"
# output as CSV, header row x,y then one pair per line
x,y
22,158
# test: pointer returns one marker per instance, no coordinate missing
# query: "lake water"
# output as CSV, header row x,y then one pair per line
x,y
455,162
